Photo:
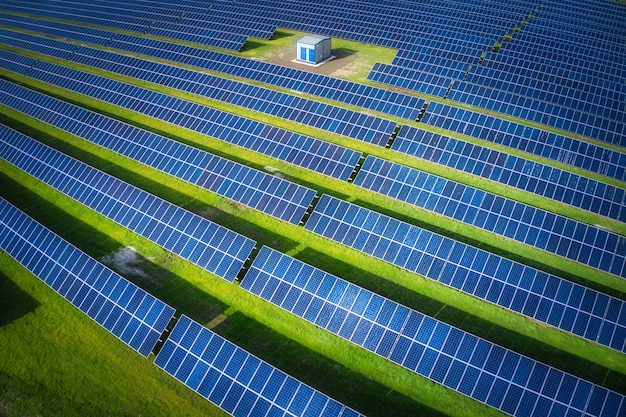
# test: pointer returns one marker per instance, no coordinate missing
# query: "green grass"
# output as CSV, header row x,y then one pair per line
x,y
44,333
57,361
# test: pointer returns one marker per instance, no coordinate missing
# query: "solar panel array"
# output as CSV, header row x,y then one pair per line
x,y
323,116
560,117
524,174
361,95
530,292
51,47
583,101
261,191
225,374
57,29
574,152
200,241
459,360
126,17
235,380
574,240
125,310
317,155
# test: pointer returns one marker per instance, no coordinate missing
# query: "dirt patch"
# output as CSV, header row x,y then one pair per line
x,y
127,261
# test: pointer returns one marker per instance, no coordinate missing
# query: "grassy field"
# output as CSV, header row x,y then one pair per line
x,y
60,357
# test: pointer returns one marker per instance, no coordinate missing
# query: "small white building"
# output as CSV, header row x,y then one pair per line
x,y
313,49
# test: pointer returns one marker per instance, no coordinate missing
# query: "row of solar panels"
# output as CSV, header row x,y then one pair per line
x,y
289,202
596,114
50,110
293,213
555,113
287,106
168,23
582,243
89,87
314,154
578,153
347,92
581,154
206,363
215,368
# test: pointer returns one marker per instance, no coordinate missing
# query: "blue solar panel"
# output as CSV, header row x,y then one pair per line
x,y
554,115
135,22
125,310
419,81
331,118
361,95
511,285
556,234
235,380
324,157
51,47
275,196
459,360
574,152
204,243
569,188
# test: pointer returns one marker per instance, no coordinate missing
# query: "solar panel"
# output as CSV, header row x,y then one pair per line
x,y
200,241
540,179
566,150
51,47
361,95
320,156
331,118
264,192
122,308
475,367
59,30
235,380
111,18
589,245
97,19
514,286
410,79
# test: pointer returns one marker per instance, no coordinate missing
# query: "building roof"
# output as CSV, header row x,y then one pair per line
x,y
312,39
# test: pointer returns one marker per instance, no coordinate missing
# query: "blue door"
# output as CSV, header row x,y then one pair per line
x,y
312,55
302,53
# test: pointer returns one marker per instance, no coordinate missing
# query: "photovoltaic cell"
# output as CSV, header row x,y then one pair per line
x,y
574,240
235,380
204,243
272,195
484,371
508,284
557,184
134,316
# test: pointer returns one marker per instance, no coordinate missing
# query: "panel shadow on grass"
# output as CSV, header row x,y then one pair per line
x,y
14,301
